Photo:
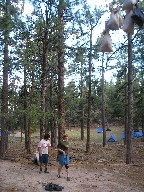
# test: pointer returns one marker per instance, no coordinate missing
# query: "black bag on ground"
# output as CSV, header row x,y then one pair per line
x,y
53,187
138,16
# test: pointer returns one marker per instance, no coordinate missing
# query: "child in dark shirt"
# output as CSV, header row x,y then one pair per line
x,y
63,157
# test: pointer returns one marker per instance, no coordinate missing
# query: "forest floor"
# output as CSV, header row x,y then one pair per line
x,y
102,170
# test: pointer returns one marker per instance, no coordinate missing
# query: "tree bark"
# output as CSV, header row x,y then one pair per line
x,y
4,106
81,105
130,103
31,94
44,81
103,105
25,109
89,95
61,107
126,110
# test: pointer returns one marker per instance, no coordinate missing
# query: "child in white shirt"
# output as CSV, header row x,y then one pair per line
x,y
44,149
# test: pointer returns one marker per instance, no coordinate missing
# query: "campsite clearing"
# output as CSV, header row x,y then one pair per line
x,y
103,169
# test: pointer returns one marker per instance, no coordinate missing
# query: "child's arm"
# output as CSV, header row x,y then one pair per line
x,y
49,150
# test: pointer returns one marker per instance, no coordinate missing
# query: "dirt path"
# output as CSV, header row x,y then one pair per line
x,y
15,176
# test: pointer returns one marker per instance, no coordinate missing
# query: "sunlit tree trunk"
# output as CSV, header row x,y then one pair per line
x,y
61,112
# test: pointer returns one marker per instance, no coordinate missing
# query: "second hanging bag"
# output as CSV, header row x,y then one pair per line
x,y
115,21
138,16
106,45
128,25
129,4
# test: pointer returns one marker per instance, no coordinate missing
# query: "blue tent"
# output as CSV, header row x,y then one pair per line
x,y
112,138
99,130
123,135
138,134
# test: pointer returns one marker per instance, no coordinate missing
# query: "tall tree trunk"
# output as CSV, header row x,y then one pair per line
x,y
142,103
29,131
103,105
81,105
126,110
4,107
89,95
61,113
44,80
25,108
52,119
130,103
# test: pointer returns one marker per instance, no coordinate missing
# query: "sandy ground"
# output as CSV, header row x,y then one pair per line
x,y
101,170
25,177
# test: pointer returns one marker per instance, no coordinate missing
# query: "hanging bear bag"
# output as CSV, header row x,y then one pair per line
x,y
138,16
106,45
128,4
113,22
128,25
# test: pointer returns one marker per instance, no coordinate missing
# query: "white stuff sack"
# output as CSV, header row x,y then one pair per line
x,y
128,4
36,158
116,20
113,22
106,45
128,26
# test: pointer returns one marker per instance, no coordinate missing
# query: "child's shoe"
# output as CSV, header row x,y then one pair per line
x,y
40,170
46,170
68,178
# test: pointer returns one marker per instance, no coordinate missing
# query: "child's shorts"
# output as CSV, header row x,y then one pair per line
x,y
44,158
63,159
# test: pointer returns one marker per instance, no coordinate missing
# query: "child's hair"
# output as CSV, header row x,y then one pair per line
x,y
47,136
